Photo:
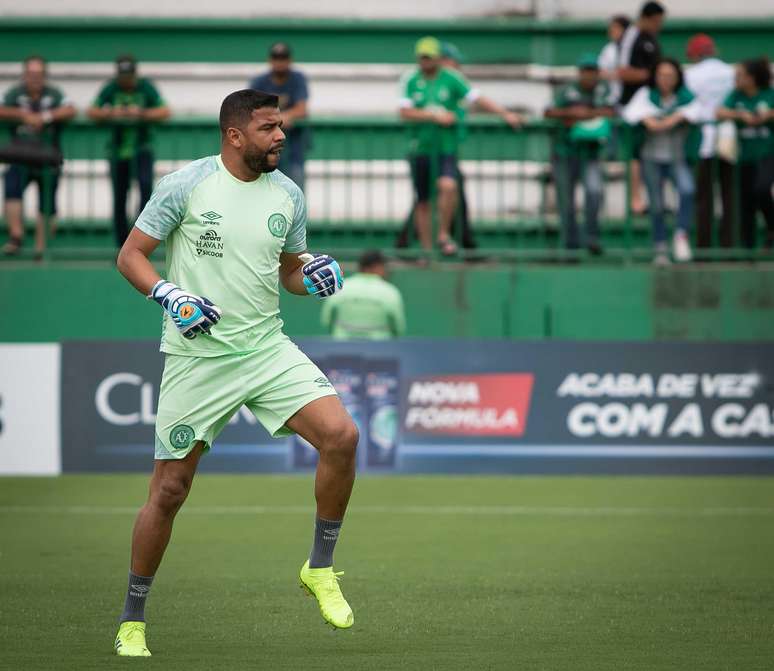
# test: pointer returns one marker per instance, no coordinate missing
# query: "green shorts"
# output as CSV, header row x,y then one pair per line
x,y
200,394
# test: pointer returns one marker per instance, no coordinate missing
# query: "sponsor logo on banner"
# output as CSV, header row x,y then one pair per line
x,y
495,404
669,405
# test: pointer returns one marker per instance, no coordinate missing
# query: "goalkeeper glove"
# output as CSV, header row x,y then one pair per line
x,y
191,314
322,275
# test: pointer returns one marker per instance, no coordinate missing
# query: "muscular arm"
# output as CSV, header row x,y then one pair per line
x,y
290,273
133,261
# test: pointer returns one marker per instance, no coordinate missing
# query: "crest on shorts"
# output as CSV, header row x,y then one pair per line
x,y
181,436
278,225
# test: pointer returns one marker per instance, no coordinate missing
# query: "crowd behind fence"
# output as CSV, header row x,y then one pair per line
x,y
358,182
511,181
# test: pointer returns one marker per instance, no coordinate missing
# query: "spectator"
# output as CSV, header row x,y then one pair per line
x,y
710,80
451,58
609,57
750,106
431,101
583,107
369,306
131,104
665,108
638,55
37,111
290,87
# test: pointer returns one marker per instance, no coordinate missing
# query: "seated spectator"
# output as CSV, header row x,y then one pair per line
x,y
710,80
751,107
290,87
37,111
431,101
665,108
610,56
583,107
131,104
368,306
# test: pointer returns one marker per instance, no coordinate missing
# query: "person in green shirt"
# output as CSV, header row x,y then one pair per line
x,y
431,98
235,231
751,107
369,307
131,104
36,111
452,59
582,107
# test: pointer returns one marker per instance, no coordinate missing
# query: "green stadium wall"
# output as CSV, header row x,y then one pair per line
x,y
348,41
700,303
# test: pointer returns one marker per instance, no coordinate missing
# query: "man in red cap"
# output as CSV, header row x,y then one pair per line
x,y
710,80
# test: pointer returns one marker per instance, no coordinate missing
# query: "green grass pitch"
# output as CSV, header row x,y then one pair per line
x,y
443,573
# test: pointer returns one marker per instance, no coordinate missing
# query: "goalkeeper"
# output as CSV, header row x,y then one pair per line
x,y
234,230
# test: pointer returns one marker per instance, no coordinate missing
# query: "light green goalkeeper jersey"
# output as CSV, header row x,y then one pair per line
x,y
224,238
367,307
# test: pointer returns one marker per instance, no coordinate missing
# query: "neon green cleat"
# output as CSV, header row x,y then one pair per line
x,y
323,584
130,640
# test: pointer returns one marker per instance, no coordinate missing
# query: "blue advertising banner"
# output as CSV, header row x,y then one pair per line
x,y
463,407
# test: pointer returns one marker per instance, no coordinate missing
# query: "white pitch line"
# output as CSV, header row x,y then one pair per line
x,y
492,511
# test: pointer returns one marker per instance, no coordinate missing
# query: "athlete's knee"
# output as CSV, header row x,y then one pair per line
x,y
339,440
170,492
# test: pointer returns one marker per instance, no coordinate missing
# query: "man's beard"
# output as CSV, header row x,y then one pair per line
x,y
258,161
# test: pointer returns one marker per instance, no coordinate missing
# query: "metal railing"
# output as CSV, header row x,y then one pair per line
x,y
359,190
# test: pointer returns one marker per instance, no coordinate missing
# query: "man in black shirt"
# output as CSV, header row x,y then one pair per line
x,y
638,55
640,50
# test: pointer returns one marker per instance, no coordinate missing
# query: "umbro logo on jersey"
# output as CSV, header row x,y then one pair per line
x,y
210,218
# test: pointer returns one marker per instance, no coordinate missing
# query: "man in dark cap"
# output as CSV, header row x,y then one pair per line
x,y
131,104
290,86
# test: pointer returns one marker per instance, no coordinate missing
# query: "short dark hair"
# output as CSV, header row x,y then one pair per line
x,y
371,258
237,107
652,8
34,57
621,19
760,70
675,64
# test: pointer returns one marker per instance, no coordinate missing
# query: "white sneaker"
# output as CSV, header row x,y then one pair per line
x,y
661,256
681,248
